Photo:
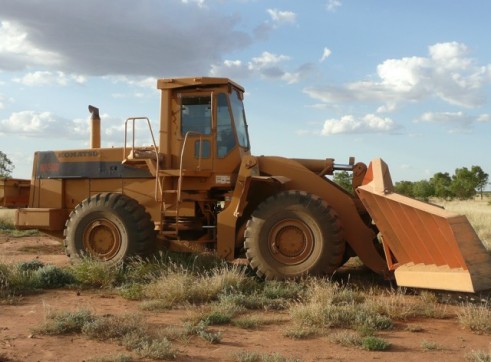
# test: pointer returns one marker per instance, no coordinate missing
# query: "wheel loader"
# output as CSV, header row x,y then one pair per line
x,y
196,187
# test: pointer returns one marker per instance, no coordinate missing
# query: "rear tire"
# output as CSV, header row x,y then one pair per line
x,y
292,234
109,227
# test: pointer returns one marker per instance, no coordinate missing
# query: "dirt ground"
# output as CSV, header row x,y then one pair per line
x,y
449,341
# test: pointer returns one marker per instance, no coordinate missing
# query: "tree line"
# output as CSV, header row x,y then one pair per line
x,y
463,184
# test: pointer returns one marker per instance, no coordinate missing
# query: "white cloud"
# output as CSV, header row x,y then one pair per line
x,y
267,65
454,121
143,82
35,124
369,123
200,3
282,17
325,54
266,59
18,51
447,73
50,78
333,5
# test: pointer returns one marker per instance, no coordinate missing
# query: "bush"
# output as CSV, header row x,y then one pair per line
x,y
372,343
50,276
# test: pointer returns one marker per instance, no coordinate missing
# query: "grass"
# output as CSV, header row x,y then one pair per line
x,y
248,356
478,356
477,318
7,228
130,330
328,305
372,343
478,213
429,346
348,314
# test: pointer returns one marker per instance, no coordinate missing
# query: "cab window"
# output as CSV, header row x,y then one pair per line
x,y
196,114
225,134
239,119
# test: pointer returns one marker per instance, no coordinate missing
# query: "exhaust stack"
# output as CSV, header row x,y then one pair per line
x,y
95,129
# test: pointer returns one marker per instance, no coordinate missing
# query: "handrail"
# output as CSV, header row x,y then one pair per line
x,y
155,150
179,182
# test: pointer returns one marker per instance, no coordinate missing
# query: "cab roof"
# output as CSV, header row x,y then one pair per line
x,y
173,83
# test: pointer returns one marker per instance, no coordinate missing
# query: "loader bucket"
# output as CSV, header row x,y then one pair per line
x,y
425,245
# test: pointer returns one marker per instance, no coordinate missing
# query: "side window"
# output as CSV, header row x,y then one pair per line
x,y
202,149
239,119
225,134
196,114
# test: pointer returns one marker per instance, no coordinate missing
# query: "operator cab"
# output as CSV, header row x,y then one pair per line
x,y
206,128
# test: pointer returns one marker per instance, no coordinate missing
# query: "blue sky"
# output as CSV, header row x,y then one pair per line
x,y
405,81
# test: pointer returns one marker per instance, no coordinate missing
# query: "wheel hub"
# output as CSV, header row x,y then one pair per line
x,y
291,241
102,239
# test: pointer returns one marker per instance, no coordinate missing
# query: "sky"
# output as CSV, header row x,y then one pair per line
x,y
408,82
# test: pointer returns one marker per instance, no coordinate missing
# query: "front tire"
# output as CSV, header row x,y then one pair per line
x,y
109,227
292,234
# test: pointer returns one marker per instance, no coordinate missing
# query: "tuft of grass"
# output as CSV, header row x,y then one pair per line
x,y
346,338
111,358
145,347
302,332
429,346
130,330
248,356
372,343
181,286
477,318
59,323
396,305
414,328
201,329
114,326
478,356
92,273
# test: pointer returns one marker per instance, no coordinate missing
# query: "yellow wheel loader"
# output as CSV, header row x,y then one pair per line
x,y
198,188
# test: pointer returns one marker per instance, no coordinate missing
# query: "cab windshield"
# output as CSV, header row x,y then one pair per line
x,y
239,119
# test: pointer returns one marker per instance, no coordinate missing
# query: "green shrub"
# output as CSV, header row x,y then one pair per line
x,y
372,343
93,273
50,276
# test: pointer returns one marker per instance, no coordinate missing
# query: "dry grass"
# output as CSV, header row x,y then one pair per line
x,y
477,318
479,214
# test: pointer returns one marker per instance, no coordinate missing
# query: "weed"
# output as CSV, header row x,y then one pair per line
x,y
302,332
201,330
93,273
50,276
429,346
58,323
111,358
114,326
478,356
146,347
247,356
476,317
133,291
372,343
346,338
31,265
415,328
249,322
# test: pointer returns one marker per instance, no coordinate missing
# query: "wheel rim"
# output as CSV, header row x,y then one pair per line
x,y
102,239
291,241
